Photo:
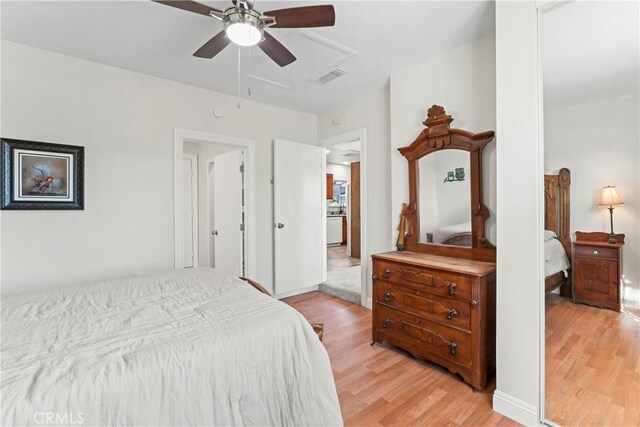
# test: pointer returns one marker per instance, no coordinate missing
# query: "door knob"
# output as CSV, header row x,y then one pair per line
x,y
280,225
214,232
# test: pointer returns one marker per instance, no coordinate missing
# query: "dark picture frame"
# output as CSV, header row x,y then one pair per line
x,y
41,175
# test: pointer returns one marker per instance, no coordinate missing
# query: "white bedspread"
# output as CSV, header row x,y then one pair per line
x,y
555,258
181,348
441,234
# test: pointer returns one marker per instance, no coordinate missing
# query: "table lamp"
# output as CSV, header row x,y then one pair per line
x,y
610,199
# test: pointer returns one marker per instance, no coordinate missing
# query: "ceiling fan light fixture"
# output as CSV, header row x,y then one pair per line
x,y
244,34
243,27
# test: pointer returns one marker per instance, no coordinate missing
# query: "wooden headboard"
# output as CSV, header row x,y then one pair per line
x,y
557,206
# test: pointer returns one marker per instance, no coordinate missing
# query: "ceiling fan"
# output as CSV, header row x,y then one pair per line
x,y
245,26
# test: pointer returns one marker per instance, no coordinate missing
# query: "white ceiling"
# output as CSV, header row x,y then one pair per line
x,y
370,40
590,50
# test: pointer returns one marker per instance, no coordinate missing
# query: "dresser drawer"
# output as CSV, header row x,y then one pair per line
x,y
422,337
595,252
439,283
444,310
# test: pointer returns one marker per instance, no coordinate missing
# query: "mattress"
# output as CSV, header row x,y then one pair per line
x,y
443,233
555,258
186,347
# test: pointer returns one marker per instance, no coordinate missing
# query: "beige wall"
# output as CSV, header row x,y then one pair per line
x,y
125,121
601,153
462,80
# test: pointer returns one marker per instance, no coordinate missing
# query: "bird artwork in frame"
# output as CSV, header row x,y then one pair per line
x,y
42,176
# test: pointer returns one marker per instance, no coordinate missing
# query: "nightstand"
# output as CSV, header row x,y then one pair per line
x,y
597,270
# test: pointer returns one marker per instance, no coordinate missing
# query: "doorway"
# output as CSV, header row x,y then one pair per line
x,y
215,226
190,210
345,277
214,215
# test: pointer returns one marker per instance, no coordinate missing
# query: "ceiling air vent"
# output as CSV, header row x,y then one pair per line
x,y
330,76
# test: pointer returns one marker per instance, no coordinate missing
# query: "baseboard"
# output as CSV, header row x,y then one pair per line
x,y
369,303
298,292
516,409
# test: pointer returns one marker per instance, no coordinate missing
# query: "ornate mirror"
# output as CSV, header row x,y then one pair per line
x,y
446,214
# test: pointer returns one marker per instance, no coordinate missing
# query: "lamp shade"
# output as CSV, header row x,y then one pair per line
x,y
610,197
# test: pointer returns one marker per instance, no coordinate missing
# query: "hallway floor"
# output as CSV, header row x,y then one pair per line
x,y
337,258
343,276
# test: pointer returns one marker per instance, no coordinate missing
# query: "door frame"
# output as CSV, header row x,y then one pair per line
x,y
542,7
180,136
209,227
194,208
358,134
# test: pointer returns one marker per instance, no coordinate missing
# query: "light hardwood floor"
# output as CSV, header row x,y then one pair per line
x,y
592,365
382,385
337,258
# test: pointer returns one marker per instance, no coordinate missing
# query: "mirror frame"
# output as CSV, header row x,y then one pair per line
x,y
437,136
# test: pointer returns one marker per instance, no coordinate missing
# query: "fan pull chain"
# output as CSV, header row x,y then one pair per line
x,y
239,85
249,71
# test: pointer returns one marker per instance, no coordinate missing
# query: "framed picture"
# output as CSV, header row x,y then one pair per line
x,y
41,176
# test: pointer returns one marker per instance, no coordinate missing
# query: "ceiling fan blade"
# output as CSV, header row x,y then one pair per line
x,y
276,51
213,46
190,6
304,17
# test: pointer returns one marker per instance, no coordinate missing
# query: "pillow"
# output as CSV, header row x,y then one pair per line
x,y
548,235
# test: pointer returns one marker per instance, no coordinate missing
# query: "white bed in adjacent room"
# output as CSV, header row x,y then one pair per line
x,y
182,348
555,256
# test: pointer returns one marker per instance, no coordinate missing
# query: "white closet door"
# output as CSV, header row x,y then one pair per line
x,y
298,216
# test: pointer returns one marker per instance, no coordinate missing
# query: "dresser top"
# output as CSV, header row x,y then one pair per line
x,y
458,265
598,244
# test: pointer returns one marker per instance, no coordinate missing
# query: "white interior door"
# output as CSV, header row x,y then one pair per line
x,y
298,216
189,194
228,222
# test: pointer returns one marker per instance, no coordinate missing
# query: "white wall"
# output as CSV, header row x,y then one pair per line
x,y
462,80
520,213
205,152
125,121
600,153
443,203
372,113
340,172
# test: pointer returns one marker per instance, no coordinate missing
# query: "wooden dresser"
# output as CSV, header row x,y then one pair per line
x,y
436,298
597,270
437,308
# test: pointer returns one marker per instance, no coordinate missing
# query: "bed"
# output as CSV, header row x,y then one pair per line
x,y
453,235
186,347
557,232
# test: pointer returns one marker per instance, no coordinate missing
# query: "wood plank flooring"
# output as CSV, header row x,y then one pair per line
x,y
593,365
385,386
337,258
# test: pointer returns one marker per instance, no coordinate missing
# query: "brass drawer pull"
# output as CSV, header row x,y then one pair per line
x,y
387,296
452,314
595,252
474,302
386,273
453,348
452,288
386,323
417,271
417,320
418,293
